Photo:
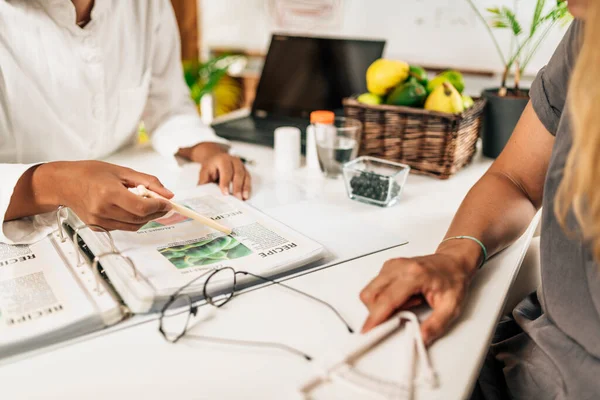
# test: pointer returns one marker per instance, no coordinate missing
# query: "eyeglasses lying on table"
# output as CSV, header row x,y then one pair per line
x,y
219,288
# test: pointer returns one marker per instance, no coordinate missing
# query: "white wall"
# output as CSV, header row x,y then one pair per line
x,y
433,32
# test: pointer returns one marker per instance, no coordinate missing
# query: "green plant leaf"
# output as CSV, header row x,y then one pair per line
x,y
511,18
190,72
505,18
498,24
539,7
558,13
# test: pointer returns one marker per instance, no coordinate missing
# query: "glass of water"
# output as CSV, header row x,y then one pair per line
x,y
337,143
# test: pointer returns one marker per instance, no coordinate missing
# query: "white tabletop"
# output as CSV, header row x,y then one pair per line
x,y
137,363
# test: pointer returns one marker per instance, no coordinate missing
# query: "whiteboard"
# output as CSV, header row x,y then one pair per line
x,y
442,33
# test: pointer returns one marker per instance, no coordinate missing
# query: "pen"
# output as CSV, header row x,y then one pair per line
x,y
145,192
248,162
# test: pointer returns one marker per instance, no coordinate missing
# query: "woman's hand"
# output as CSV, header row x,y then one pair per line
x,y
219,166
440,279
98,193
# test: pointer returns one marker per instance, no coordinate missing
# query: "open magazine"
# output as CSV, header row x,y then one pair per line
x,y
80,281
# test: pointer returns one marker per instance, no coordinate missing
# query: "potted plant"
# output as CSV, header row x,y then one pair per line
x,y
212,84
506,104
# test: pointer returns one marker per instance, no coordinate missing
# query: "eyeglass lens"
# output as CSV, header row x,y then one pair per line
x,y
219,287
175,318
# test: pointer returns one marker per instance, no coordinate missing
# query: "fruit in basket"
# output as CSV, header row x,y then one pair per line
x,y
456,79
383,75
409,94
445,98
419,74
467,101
369,98
436,82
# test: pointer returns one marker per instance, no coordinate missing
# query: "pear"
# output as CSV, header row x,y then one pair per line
x,y
445,98
456,79
383,75
436,82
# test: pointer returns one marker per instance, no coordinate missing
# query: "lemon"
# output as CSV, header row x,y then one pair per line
x,y
383,75
369,98
445,98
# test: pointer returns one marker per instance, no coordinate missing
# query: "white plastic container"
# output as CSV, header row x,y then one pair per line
x,y
287,149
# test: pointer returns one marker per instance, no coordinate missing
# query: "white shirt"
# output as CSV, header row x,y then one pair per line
x,y
68,93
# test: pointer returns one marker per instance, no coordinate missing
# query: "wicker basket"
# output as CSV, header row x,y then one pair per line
x,y
432,143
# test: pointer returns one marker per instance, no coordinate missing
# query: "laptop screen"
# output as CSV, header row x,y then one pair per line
x,y
303,74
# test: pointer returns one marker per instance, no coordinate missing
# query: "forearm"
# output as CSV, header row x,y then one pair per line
x,y
500,206
32,194
496,211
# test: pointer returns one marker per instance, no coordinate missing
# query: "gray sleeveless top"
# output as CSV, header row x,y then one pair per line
x,y
556,352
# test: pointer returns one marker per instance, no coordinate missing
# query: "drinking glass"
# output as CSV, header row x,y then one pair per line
x,y
337,144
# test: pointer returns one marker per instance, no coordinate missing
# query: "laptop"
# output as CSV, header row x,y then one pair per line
x,y
300,75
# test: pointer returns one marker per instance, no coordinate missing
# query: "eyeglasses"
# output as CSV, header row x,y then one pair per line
x,y
220,286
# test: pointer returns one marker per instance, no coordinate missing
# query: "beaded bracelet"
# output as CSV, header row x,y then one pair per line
x,y
483,248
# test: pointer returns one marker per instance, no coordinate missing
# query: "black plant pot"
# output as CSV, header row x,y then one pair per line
x,y
500,117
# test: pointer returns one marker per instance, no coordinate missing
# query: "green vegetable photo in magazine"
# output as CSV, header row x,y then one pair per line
x,y
205,252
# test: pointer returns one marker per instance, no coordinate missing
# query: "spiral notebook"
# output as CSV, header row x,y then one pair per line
x,y
81,279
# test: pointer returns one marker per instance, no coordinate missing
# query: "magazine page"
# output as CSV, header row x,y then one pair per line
x,y
40,300
171,251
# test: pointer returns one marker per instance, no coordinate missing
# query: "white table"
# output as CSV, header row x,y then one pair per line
x,y
137,363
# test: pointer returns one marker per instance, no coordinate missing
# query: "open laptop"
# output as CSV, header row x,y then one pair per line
x,y
300,75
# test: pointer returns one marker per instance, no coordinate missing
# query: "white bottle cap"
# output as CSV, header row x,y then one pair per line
x,y
287,148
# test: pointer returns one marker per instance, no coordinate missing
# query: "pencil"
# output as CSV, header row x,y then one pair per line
x,y
145,192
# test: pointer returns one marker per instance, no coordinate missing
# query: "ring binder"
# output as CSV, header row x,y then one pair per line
x,y
102,277
62,215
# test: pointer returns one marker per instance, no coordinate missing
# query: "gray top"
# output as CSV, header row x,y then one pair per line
x,y
555,351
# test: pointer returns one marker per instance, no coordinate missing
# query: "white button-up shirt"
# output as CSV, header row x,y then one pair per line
x,y
71,93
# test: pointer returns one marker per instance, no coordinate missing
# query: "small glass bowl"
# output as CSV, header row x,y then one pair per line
x,y
375,181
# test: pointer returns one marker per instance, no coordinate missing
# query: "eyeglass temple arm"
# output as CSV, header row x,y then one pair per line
x,y
182,288
332,308
280,346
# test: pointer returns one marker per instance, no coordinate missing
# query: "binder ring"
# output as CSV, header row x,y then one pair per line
x,y
96,262
62,213
76,236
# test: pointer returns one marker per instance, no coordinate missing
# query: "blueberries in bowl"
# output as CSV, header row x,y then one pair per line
x,y
373,186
